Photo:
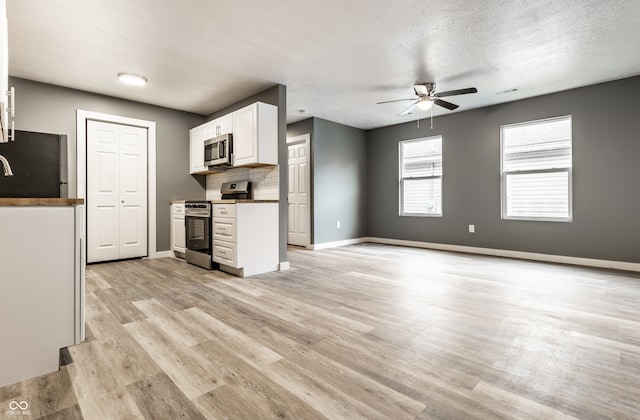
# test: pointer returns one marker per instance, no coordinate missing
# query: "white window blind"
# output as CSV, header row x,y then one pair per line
x,y
536,170
421,177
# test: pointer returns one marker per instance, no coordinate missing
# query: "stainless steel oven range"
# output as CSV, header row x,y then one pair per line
x,y
197,219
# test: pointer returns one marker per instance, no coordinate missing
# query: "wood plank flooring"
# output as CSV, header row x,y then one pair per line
x,y
363,331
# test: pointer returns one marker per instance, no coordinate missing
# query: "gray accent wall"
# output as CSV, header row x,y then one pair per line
x,y
339,179
52,109
339,182
606,171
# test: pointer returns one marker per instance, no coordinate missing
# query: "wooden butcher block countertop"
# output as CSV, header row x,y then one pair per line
x,y
29,202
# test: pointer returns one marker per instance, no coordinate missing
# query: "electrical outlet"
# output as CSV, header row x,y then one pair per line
x,y
472,228
338,224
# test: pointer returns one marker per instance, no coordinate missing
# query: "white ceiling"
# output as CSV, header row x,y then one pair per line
x,y
336,57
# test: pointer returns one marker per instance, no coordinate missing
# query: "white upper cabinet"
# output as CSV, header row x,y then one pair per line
x,y
219,126
255,135
197,137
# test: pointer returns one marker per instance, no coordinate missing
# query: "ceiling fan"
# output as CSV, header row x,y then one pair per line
x,y
427,97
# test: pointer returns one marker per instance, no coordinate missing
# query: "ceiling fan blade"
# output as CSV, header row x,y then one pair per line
x,y
456,92
445,104
421,90
395,100
409,108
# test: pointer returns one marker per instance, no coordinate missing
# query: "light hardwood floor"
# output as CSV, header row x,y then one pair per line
x,y
363,331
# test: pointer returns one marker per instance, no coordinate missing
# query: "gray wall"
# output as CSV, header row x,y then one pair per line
x,y
355,174
606,162
52,109
338,180
301,127
276,95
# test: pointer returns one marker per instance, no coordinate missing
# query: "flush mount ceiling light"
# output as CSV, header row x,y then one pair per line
x,y
132,79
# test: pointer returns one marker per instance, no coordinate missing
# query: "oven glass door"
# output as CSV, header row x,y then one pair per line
x,y
198,233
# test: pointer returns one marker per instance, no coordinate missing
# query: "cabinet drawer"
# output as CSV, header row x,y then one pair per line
x,y
224,210
225,253
224,229
177,209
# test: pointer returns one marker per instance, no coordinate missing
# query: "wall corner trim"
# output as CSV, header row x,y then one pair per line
x,y
560,259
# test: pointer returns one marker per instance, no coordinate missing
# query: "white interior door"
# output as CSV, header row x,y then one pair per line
x,y
299,191
116,191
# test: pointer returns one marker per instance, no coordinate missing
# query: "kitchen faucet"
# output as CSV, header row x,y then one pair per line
x,y
7,167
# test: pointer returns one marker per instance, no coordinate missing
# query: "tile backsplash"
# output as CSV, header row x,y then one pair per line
x,y
264,180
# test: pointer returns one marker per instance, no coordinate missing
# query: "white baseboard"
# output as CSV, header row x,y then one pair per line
x,y
283,266
588,262
338,243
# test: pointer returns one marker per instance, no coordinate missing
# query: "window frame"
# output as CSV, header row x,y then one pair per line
x,y
402,179
504,174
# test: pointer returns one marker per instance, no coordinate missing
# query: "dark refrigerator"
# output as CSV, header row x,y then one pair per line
x,y
39,165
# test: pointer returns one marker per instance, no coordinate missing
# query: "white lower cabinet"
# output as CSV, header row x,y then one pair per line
x,y
178,240
225,253
42,267
245,237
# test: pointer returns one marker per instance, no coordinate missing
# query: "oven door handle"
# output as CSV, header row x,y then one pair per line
x,y
221,149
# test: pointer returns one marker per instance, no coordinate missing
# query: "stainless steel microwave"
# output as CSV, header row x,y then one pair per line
x,y
218,151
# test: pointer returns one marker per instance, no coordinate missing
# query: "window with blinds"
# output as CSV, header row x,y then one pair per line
x,y
536,170
421,177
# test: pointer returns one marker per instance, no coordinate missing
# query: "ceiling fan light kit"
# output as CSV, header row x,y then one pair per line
x,y
427,97
425,104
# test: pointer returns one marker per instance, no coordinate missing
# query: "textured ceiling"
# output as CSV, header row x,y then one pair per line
x,y
337,58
